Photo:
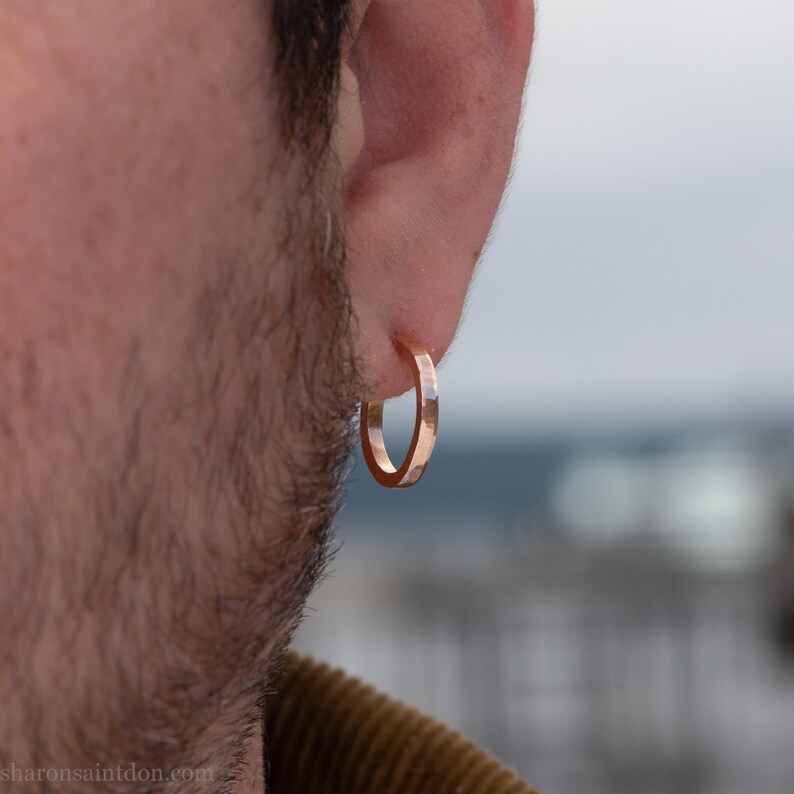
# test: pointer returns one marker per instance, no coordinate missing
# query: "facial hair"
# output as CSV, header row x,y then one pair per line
x,y
152,602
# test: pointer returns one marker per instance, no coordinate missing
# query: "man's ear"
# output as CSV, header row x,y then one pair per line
x,y
429,105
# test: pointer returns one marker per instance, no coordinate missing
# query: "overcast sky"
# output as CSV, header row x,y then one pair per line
x,y
643,266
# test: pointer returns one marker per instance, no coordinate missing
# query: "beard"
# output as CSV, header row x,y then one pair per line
x,y
160,558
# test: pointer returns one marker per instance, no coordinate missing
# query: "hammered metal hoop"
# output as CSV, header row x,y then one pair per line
x,y
425,429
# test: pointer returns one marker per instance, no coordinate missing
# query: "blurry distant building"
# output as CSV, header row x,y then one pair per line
x,y
606,617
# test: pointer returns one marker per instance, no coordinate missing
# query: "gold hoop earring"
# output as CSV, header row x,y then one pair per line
x,y
425,429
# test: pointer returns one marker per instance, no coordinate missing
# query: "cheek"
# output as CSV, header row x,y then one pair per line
x,y
130,149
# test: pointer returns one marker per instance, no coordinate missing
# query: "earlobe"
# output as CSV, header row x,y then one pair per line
x,y
428,114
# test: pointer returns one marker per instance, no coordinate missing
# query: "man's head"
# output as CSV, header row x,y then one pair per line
x,y
214,218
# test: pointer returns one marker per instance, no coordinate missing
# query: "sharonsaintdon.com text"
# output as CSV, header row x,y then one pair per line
x,y
101,774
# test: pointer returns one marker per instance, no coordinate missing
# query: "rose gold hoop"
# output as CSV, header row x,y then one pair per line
x,y
425,429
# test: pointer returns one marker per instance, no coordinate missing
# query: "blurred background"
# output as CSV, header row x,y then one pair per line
x,y
595,578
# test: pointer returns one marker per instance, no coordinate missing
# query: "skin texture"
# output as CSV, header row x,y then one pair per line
x,y
440,90
206,250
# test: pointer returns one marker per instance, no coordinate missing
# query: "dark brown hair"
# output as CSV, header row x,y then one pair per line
x,y
308,41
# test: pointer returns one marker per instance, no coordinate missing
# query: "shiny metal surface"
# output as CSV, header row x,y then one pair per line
x,y
425,428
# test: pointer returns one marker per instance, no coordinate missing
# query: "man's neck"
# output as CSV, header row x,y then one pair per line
x,y
252,772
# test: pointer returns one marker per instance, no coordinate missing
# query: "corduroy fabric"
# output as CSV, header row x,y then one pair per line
x,y
328,733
